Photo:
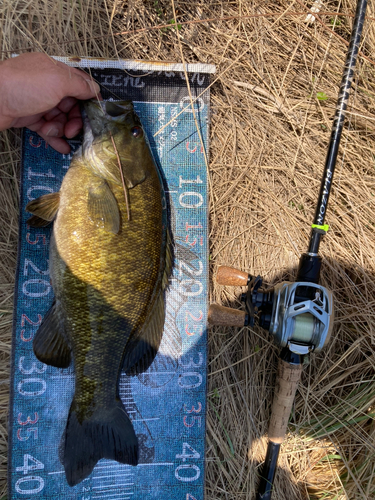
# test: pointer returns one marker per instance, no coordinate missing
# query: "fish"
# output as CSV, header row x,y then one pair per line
x,y
110,258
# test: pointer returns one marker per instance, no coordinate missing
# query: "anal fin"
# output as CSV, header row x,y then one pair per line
x,y
50,345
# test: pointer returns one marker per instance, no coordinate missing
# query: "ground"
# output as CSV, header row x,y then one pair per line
x,y
273,99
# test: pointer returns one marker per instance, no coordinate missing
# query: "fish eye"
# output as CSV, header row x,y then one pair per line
x,y
137,132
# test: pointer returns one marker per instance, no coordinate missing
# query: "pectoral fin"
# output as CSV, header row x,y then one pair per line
x,y
103,209
44,209
49,343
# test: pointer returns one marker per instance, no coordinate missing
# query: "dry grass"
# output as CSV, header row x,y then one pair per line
x,y
269,135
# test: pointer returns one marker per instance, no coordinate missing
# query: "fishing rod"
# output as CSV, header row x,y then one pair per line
x,y
299,315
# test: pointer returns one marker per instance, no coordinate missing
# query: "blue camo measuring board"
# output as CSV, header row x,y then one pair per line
x,y
167,404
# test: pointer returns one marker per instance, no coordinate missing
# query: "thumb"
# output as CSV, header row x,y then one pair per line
x,y
80,86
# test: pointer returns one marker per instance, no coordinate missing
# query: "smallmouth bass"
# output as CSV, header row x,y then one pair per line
x,y
109,264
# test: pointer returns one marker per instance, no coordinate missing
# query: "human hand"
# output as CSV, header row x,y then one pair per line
x,y
42,94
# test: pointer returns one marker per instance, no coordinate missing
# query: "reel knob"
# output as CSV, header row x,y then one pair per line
x,y
226,316
232,277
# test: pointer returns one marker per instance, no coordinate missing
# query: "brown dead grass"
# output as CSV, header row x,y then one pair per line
x,y
269,135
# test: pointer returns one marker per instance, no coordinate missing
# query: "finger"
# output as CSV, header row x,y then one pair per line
x,y
50,115
57,143
67,104
64,106
36,126
75,123
75,112
27,121
83,74
73,69
41,59
55,127
73,127
75,85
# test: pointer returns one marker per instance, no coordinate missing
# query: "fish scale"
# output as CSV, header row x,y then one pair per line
x,y
175,384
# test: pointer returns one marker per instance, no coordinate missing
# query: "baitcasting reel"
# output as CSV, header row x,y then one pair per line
x,y
299,315
295,321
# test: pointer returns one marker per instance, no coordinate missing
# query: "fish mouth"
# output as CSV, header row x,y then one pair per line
x,y
100,116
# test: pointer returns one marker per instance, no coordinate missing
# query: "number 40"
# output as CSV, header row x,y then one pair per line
x,y
188,452
26,468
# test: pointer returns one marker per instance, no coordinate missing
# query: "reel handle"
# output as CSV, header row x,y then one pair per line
x,y
232,277
225,316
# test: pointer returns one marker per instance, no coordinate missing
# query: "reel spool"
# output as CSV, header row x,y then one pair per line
x,y
302,326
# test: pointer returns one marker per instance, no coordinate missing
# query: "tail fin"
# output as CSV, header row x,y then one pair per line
x,y
107,433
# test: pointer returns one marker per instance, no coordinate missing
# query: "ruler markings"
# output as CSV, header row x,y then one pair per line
x,y
119,494
111,476
99,467
127,495
122,485
145,419
153,374
152,464
115,465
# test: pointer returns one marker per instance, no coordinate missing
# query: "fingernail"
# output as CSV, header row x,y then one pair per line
x,y
53,132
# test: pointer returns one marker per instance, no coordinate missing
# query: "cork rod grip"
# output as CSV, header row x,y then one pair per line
x,y
225,316
288,377
231,276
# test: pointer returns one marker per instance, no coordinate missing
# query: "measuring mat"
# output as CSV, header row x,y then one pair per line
x,y
167,403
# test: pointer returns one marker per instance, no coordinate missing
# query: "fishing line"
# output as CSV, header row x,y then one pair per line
x,y
122,177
